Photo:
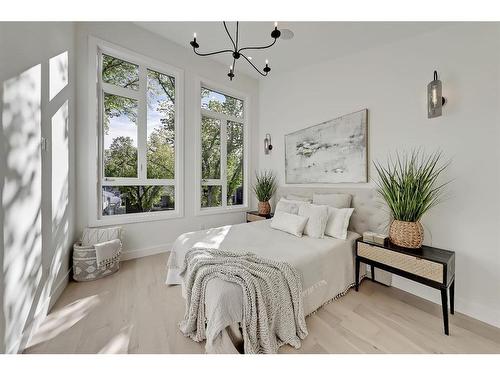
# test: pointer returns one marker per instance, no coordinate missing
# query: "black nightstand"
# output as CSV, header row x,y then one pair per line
x,y
254,216
428,265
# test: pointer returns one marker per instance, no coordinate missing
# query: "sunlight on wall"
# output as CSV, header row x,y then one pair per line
x,y
60,242
21,200
60,164
58,73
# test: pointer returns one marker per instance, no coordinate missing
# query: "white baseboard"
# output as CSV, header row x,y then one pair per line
x,y
139,253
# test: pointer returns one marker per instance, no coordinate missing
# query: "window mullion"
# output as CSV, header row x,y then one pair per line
x,y
223,156
142,125
120,91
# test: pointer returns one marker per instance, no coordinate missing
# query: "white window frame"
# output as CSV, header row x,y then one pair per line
x,y
96,171
199,112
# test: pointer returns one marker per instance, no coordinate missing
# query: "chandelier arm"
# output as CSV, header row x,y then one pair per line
x,y
229,35
257,69
212,53
263,47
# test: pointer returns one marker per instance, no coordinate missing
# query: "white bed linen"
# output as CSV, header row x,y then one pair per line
x,y
326,266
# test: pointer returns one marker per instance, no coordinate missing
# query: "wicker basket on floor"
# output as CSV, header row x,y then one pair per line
x,y
407,234
85,267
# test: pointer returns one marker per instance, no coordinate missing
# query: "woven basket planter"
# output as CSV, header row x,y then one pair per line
x,y
408,234
264,208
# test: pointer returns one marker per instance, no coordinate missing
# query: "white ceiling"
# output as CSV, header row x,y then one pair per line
x,y
313,42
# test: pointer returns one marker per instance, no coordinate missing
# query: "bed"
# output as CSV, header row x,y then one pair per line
x,y
326,265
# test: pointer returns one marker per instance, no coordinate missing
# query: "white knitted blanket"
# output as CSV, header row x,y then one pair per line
x,y
273,312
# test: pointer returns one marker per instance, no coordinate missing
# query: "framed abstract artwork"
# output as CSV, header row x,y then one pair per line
x,y
334,151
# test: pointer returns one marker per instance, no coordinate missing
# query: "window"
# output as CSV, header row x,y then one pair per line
x,y
139,175
222,152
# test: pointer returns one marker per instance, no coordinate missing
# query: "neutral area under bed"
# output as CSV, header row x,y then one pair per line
x,y
326,266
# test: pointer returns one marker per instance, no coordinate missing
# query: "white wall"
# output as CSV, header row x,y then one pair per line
x,y
155,236
37,186
391,82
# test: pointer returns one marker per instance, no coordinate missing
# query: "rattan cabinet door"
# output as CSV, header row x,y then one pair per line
x,y
417,266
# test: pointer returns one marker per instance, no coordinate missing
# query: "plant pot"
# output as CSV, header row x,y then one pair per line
x,y
264,208
408,234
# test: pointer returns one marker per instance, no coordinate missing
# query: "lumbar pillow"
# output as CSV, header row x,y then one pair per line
x,y
293,224
338,221
317,219
289,206
333,200
293,197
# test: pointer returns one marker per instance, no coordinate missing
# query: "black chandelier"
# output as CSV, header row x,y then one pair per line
x,y
238,52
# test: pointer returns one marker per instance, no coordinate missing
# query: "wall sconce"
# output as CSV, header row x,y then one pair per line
x,y
267,144
435,99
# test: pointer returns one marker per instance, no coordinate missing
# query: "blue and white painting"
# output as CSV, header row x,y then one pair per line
x,y
332,152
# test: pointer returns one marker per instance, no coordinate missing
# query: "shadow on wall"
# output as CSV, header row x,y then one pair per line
x,y
29,271
21,200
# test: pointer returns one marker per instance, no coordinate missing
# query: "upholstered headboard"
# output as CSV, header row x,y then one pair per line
x,y
370,213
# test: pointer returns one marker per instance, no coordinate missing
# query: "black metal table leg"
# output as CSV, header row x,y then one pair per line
x,y
373,272
444,303
452,297
356,280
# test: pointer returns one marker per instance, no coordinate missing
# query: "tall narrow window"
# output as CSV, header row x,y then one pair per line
x,y
138,137
222,143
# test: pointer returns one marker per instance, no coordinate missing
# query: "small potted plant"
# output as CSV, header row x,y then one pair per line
x,y
264,189
409,186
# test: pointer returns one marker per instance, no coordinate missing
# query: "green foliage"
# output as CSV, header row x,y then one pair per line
x,y
161,142
266,185
120,160
120,73
234,158
409,184
211,146
116,106
121,157
230,106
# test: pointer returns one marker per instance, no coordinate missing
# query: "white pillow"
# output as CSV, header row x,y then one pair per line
x,y
338,221
286,205
334,200
293,224
300,198
317,219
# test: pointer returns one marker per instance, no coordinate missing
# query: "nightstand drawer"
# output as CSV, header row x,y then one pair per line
x,y
417,266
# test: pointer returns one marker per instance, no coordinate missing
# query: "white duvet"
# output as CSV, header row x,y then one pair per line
x,y
326,266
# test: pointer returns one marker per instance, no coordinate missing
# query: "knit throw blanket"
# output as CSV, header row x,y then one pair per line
x,y
273,312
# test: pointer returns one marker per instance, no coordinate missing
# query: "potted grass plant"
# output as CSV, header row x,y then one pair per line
x,y
409,185
264,188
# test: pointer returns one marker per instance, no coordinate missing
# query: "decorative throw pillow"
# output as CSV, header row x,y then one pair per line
x,y
334,200
91,236
293,224
317,219
300,198
338,221
289,206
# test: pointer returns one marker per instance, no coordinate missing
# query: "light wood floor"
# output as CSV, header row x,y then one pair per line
x,y
133,311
